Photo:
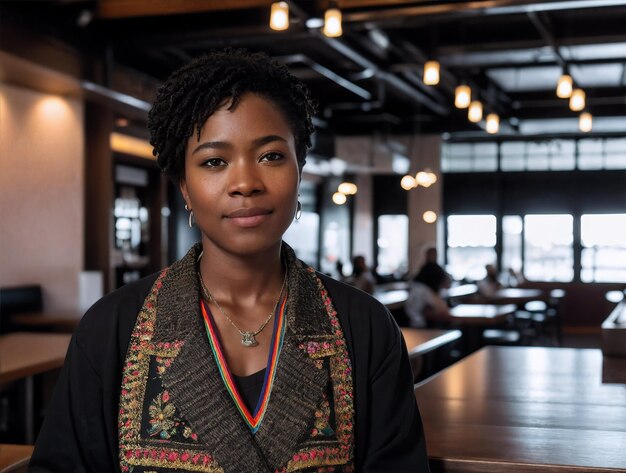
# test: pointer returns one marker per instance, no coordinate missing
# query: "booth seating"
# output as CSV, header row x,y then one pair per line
x,y
18,300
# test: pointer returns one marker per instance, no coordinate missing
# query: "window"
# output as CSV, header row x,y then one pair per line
x,y
512,226
469,157
393,244
548,247
471,245
302,236
603,239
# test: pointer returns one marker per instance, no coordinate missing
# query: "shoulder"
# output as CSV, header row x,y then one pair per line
x,y
364,319
109,322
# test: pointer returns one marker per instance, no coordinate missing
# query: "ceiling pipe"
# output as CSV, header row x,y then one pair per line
x,y
324,71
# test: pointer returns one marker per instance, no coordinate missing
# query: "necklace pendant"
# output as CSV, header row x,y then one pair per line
x,y
248,339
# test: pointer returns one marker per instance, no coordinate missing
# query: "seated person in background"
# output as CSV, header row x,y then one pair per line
x,y
362,278
490,284
424,305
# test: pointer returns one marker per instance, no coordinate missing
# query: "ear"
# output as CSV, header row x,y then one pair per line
x,y
182,185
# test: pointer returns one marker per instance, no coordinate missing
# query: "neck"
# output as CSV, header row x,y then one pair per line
x,y
248,278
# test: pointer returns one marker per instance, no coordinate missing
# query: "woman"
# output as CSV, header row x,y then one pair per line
x,y
362,278
424,306
239,357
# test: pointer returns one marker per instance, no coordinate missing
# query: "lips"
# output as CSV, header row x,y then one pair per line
x,y
248,217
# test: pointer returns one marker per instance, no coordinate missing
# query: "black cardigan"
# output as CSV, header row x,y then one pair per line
x,y
388,429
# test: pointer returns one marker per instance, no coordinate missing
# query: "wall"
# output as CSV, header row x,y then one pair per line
x,y
367,155
41,186
425,153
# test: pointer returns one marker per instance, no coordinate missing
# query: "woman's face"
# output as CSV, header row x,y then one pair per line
x,y
241,178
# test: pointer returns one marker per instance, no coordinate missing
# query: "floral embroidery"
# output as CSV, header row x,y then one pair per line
x,y
163,420
337,457
322,426
135,451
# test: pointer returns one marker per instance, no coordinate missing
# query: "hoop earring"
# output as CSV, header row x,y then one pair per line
x,y
298,211
190,216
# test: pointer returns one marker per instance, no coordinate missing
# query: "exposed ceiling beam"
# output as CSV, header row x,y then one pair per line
x,y
547,37
477,7
110,9
326,72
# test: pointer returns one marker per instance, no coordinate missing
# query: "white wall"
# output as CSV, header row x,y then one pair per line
x,y
41,194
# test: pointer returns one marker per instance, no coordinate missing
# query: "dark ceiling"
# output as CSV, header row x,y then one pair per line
x,y
511,53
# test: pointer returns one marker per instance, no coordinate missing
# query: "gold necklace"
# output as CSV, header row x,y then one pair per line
x,y
248,339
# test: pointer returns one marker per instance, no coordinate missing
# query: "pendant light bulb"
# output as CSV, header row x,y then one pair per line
x,y
462,96
347,188
564,86
585,122
431,72
408,182
475,111
279,16
429,216
339,198
493,123
577,100
332,23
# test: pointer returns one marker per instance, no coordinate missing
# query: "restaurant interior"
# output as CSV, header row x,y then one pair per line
x,y
488,134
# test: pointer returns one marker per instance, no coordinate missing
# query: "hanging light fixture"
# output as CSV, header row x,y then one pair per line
x,y
475,111
431,72
564,86
493,123
347,188
279,16
408,182
431,176
339,198
577,100
462,96
429,216
424,179
585,122
332,22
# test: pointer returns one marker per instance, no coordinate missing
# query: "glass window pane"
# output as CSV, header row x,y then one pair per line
x,y
590,154
393,244
562,155
302,236
471,245
485,157
603,237
513,156
512,243
548,247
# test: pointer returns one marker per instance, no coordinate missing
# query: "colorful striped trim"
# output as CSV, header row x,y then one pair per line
x,y
252,420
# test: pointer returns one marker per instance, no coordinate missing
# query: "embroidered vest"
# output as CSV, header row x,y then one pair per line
x,y
175,411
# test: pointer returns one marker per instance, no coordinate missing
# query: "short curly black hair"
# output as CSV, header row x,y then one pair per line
x,y
194,92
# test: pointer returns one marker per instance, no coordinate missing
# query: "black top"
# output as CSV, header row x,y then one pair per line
x,y
250,387
80,431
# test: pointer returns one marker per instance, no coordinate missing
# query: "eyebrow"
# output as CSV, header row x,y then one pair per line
x,y
225,144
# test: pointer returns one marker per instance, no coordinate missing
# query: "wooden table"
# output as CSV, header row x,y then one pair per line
x,y
421,341
23,355
481,314
59,322
514,295
393,299
14,456
429,350
464,290
525,409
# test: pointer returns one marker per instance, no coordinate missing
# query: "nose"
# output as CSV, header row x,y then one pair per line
x,y
245,179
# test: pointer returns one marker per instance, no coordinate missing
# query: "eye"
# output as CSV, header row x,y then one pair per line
x,y
214,162
272,157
